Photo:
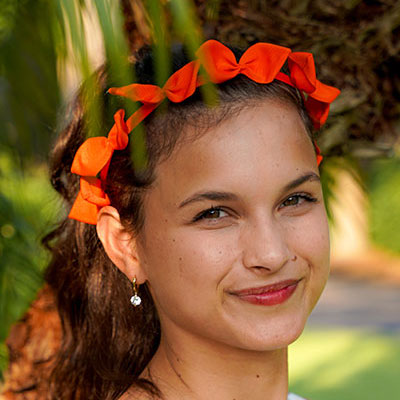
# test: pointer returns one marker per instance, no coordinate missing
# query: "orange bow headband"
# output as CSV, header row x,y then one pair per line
x,y
261,62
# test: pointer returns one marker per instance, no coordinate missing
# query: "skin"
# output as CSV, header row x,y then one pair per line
x,y
215,345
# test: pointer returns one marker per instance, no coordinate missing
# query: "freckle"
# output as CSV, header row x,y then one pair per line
x,y
173,240
180,258
257,376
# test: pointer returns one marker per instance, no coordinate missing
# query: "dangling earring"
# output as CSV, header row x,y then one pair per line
x,y
135,299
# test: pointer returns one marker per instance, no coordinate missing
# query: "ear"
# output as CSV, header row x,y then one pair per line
x,y
119,244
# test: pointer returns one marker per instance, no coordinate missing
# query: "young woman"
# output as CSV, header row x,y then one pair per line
x,y
188,276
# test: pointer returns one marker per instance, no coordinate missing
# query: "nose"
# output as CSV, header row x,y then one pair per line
x,y
265,245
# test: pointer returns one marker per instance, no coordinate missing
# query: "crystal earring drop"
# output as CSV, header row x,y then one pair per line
x,y
135,299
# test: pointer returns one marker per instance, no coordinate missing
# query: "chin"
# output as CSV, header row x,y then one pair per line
x,y
283,340
273,336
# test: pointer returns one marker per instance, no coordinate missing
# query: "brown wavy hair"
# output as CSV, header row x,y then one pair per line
x,y
107,343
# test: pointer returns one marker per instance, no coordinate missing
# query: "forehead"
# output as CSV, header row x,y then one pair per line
x,y
268,141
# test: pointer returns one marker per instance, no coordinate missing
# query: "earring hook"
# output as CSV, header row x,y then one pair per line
x,y
135,299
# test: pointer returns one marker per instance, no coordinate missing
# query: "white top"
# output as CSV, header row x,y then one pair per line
x,y
292,396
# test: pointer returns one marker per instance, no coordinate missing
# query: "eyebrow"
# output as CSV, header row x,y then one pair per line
x,y
309,176
211,195
227,196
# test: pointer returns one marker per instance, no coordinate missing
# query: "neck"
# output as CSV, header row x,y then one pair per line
x,y
189,367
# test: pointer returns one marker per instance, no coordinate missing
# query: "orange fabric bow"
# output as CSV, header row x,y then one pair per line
x,y
319,156
179,86
91,159
302,74
261,62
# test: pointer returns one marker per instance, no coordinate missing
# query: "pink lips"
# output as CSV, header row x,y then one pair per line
x,y
269,295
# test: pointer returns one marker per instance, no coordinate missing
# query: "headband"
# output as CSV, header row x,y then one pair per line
x,y
261,63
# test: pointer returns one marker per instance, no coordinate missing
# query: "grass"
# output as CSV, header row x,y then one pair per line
x,y
345,365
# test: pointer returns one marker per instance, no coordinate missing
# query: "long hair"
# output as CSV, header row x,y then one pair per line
x,y
107,343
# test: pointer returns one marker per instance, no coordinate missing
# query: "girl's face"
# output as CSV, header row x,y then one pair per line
x,y
239,208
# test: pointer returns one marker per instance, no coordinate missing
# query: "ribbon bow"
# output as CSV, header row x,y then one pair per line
x,y
303,77
91,159
261,62
179,86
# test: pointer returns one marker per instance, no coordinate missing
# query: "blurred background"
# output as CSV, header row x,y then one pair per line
x,y
351,347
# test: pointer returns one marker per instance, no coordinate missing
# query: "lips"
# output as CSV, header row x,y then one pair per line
x,y
269,295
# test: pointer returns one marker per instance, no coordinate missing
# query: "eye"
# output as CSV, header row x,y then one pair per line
x,y
212,213
295,200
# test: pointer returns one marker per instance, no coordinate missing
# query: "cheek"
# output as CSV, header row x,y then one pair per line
x,y
312,244
309,236
182,261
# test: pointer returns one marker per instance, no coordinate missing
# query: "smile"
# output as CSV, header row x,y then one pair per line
x,y
268,295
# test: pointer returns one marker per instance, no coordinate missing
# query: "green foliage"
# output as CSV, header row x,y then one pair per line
x,y
29,89
162,39
384,211
345,365
112,24
7,17
3,358
186,24
37,40
26,206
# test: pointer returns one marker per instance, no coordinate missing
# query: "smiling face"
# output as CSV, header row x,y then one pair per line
x,y
241,207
